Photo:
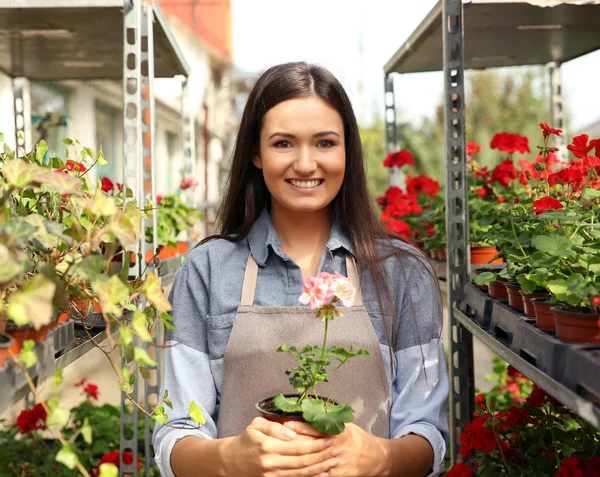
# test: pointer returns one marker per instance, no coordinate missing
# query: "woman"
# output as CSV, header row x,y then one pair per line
x,y
297,203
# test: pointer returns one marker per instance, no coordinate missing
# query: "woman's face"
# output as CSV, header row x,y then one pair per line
x,y
302,154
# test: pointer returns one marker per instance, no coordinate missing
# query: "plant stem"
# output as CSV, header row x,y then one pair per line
x,y
501,453
512,226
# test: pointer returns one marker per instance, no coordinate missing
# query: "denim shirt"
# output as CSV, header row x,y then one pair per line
x,y
208,290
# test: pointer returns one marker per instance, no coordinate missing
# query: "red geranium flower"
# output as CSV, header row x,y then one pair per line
x,y
114,457
107,185
31,419
482,191
91,390
422,185
473,148
570,175
570,467
400,228
71,166
510,143
399,159
480,401
189,183
483,172
545,204
80,383
460,470
580,146
504,173
548,130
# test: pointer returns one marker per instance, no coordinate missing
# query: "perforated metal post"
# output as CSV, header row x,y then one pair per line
x,y
22,114
391,133
132,178
188,136
457,220
556,103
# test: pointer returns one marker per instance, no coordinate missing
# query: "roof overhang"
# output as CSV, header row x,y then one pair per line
x,y
76,39
505,33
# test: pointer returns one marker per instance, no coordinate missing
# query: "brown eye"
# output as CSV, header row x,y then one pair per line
x,y
282,144
325,144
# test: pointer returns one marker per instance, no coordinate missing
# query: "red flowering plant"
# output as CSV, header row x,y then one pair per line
x,y
549,238
415,213
91,430
520,430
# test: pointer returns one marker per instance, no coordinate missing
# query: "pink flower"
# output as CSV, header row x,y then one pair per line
x,y
343,289
319,291
316,293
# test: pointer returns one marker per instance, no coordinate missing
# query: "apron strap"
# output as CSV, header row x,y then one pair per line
x,y
251,273
353,276
249,286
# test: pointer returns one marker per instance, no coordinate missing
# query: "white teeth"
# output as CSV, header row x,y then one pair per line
x,y
305,184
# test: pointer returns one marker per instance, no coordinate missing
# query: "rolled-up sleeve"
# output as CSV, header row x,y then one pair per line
x,y
420,383
186,373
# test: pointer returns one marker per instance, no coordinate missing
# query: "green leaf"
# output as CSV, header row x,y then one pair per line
x,y
140,326
590,193
111,294
53,402
125,382
196,414
126,335
554,244
166,320
159,415
41,150
141,357
19,173
67,141
144,372
10,267
32,303
126,226
288,404
58,416
86,431
1,137
484,278
168,402
154,293
103,205
27,354
108,470
100,158
41,234
527,286
57,379
329,420
62,183
67,456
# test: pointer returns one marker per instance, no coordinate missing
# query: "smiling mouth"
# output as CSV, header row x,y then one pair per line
x,y
305,184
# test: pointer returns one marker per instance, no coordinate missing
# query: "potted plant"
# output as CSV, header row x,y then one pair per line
x,y
323,293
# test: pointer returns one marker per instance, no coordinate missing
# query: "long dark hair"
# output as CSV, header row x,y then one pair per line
x,y
247,193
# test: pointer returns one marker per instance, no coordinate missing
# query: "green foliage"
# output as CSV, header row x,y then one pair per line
x,y
173,217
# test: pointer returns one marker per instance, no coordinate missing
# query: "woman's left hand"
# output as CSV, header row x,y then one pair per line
x,y
360,454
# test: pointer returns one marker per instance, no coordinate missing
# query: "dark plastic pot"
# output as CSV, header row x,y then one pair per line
x,y
544,317
528,305
267,409
515,299
498,290
575,325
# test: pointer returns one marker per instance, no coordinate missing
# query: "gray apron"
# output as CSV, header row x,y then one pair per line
x,y
253,370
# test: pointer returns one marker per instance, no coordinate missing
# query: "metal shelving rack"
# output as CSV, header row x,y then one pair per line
x,y
126,40
458,35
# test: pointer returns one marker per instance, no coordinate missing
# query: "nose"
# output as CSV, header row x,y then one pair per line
x,y
305,164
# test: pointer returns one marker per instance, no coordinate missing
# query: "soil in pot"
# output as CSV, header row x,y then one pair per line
x,y
515,299
528,305
544,317
498,290
576,325
6,343
270,412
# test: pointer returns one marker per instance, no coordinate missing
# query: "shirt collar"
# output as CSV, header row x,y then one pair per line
x,y
262,235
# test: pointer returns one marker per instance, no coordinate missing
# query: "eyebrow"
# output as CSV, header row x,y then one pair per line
x,y
291,136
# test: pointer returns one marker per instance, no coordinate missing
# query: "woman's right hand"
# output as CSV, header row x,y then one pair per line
x,y
269,449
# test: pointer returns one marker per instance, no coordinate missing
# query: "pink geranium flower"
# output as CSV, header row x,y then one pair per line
x,y
326,288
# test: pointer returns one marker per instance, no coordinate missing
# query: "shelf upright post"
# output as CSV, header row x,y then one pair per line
x,y
188,136
22,114
457,220
133,155
152,383
391,132
556,103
